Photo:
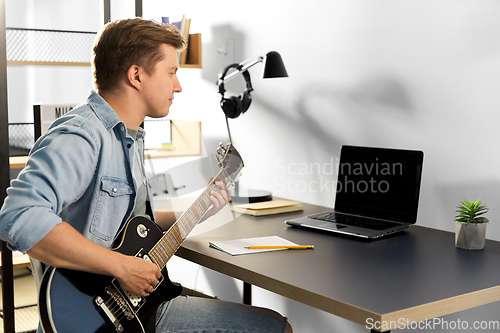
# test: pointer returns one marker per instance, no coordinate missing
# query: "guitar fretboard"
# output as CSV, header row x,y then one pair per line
x,y
173,238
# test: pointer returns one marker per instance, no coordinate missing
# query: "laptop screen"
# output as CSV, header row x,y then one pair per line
x,y
379,182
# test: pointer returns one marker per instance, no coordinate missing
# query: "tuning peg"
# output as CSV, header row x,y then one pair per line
x,y
221,150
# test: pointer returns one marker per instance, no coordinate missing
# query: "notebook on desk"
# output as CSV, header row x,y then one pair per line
x,y
377,193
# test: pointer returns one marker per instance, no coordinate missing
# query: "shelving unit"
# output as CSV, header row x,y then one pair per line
x,y
186,141
7,269
43,47
74,44
193,59
49,47
18,162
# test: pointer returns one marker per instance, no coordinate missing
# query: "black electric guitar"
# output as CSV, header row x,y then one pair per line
x,y
80,302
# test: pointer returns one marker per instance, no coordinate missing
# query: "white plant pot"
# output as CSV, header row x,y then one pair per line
x,y
470,236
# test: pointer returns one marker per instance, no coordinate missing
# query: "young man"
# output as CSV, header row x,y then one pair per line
x,y
85,178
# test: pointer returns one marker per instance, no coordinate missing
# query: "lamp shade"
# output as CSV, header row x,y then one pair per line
x,y
273,66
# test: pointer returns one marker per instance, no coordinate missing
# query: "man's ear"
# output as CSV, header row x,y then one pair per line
x,y
134,76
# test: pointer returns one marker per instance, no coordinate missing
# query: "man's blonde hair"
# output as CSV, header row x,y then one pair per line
x,y
124,43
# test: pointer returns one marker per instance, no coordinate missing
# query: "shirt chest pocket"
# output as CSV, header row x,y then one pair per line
x,y
114,198
115,187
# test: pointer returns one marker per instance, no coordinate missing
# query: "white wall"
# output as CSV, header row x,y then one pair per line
x,y
409,74
419,74
406,74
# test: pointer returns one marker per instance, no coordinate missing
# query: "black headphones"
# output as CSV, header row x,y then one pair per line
x,y
234,106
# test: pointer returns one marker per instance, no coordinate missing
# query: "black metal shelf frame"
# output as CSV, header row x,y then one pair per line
x,y
6,270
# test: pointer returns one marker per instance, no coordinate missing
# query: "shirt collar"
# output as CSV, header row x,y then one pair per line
x,y
103,110
106,114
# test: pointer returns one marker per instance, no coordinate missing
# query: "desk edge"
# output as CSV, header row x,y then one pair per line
x,y
445,306
338,308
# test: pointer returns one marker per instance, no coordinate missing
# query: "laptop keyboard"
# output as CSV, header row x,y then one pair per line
x,y
352,220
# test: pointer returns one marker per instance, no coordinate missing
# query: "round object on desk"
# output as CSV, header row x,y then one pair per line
x,y
252,196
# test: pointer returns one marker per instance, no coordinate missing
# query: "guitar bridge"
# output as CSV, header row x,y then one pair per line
x,y
109,314
115,295
114,308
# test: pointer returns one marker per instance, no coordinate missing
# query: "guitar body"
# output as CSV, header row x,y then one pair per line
x,y
80,302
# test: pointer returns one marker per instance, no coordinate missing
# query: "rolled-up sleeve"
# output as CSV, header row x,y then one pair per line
x,y
57,174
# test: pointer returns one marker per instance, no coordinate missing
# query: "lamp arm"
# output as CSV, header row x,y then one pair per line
x,y
244,67
228,131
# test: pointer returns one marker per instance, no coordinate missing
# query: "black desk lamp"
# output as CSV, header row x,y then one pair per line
x,y
234,106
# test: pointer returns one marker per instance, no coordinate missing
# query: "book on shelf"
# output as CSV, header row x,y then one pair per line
x,y
185,33
177,24
268,207
183,25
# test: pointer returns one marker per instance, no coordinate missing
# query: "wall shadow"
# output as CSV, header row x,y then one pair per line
x,y
315,108
213,52
450,194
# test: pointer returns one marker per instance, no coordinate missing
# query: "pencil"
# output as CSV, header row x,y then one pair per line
x,y
291,247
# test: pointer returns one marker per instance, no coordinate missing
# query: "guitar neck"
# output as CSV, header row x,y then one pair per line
x,y
173,238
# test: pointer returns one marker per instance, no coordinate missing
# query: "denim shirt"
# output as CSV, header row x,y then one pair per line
x,y
80,172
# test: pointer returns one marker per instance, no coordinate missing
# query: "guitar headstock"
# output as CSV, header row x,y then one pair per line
x,y
230,161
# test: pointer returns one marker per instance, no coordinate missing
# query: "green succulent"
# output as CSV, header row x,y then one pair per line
x,y
471,211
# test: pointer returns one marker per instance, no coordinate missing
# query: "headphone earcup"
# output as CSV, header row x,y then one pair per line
x,y
231,107
246,100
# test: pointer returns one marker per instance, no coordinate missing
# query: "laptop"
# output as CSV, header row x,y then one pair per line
x,y
377,193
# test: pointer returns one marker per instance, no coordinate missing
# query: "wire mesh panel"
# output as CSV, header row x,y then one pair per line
x,y
35,45
26,319
21,138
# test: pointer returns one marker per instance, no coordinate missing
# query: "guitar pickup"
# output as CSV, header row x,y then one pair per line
x,y
134,299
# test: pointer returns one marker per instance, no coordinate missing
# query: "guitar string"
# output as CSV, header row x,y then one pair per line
x,y
113,304
174,244
114,309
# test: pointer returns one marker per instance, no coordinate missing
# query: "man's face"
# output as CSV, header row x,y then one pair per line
x,y
161,85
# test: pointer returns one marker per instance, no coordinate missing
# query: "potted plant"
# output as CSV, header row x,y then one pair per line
x,y
470,228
